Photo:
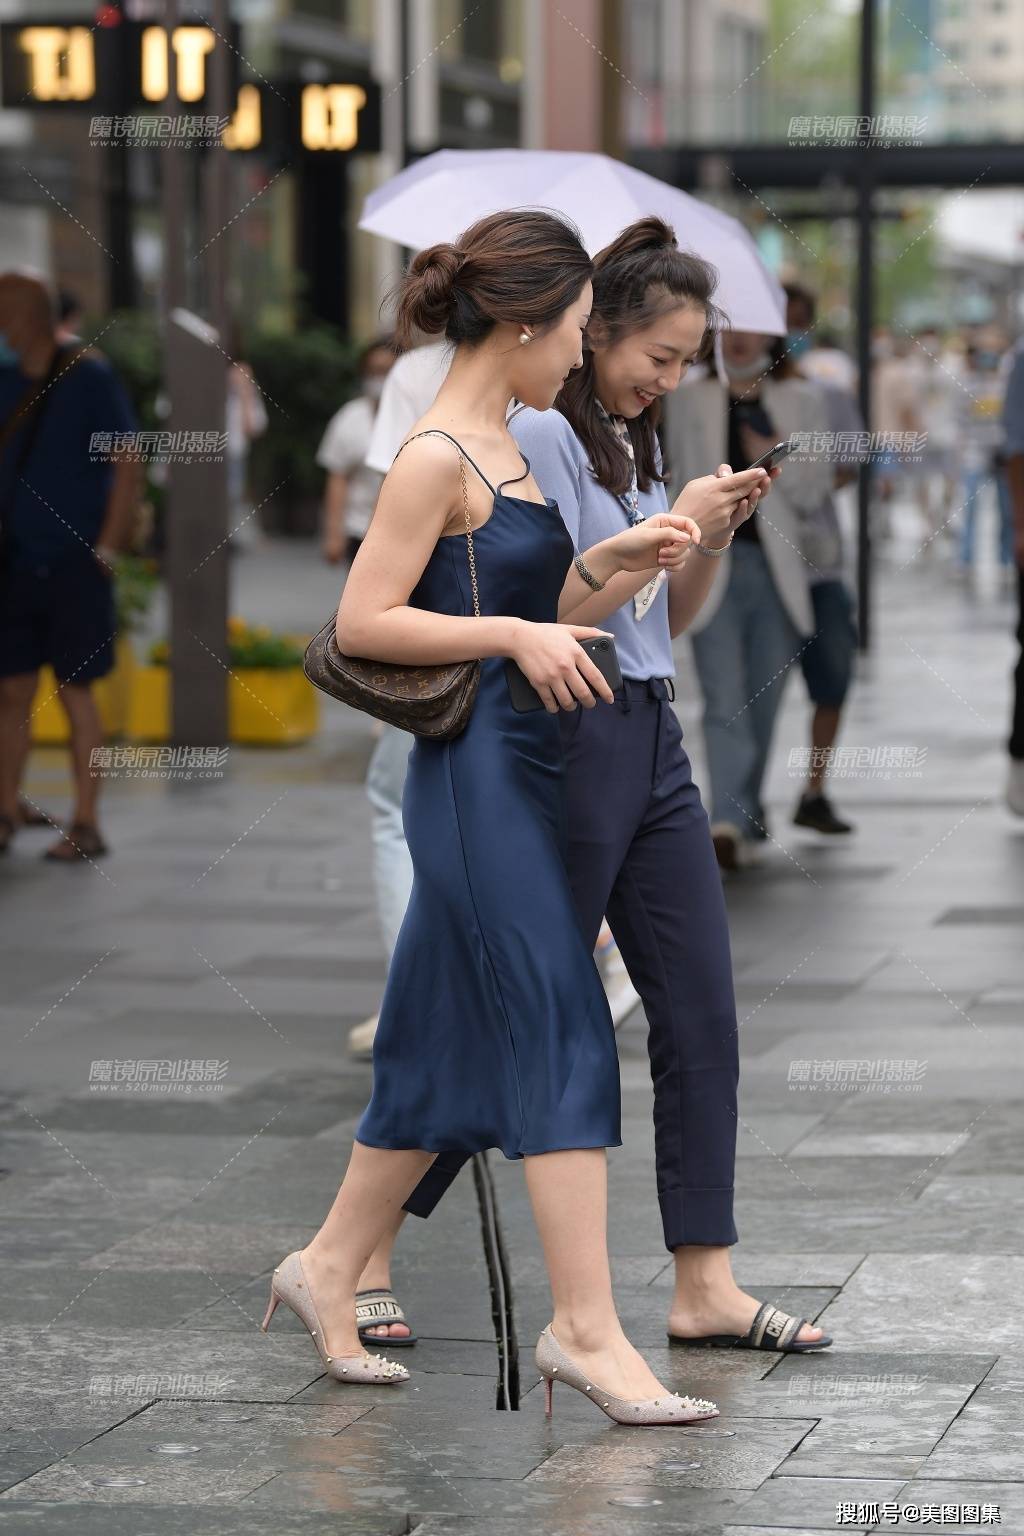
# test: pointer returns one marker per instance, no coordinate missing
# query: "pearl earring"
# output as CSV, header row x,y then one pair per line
x,y
525,337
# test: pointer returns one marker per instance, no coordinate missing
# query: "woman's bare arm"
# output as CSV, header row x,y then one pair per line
x,y
418,499
580,604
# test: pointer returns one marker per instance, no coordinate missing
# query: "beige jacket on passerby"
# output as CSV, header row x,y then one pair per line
x,y
696,433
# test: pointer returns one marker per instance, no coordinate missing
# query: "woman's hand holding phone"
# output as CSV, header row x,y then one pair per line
x,y
717,502
556,665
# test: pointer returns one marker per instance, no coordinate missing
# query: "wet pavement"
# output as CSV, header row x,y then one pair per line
x,y
880,982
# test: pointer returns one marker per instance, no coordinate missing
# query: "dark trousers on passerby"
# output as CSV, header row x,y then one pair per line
x,y
1017,727
640,852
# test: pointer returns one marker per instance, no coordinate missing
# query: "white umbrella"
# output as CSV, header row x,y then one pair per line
x,y
436,198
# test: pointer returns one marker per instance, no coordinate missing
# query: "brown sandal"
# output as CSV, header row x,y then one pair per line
x,y
84,841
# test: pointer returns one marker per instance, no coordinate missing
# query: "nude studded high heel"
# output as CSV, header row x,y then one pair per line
x,y
289,1285
554,1364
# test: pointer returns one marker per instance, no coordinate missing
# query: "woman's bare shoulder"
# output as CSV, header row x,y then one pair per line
x,y
425,458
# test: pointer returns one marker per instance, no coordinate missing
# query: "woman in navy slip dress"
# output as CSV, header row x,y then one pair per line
x,y
494,1030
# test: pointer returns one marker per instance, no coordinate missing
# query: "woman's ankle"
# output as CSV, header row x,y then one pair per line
x,y
327,1261
587,1331
702,1271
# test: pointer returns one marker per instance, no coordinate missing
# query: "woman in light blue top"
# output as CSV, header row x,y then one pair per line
x,y
639,843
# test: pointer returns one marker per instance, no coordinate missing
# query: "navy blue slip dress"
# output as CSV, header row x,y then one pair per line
x,y
494,1028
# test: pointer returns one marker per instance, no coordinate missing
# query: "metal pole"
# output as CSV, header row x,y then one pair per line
x,y
196,501
122,286
217,235
172,193
865,310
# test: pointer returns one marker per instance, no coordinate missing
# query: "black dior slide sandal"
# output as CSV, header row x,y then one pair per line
x,y
771,1329
373,1310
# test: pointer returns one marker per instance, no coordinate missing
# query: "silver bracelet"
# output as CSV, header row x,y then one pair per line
x,y
588,575
713,554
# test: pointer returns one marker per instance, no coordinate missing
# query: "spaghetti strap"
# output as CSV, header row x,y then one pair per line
x,y
515,479
439,432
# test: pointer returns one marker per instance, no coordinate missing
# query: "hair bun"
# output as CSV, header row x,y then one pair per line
x,y
429,291
444,261
521,266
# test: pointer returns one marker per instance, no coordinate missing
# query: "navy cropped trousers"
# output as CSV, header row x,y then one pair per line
x,y
640,852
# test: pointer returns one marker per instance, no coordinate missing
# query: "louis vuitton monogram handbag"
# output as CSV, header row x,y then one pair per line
x,y
432,701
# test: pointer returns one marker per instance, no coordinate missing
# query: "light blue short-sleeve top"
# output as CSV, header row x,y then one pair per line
x,y
591,513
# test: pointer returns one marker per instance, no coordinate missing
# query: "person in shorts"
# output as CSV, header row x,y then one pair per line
x,y
66,509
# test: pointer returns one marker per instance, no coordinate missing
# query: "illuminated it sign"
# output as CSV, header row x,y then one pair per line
x,y
60,65
330,116
131,67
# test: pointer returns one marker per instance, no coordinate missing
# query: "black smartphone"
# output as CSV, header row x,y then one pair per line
x,y
773,456
600,649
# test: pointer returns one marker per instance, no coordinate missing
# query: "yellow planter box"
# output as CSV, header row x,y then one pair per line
x,y
112,693
272,705
267,706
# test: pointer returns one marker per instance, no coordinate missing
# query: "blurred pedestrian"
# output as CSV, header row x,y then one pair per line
x,y
352,487
939,389
759,614
1013,427
245,419
820,355
982,453
67,504
897,408
827,661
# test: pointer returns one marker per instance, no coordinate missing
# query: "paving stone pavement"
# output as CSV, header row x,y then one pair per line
x,y
234,923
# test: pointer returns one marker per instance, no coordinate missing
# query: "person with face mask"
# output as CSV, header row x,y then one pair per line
x,y
759,613
352,487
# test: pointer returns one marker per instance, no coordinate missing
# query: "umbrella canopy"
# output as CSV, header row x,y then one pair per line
x,y
436,198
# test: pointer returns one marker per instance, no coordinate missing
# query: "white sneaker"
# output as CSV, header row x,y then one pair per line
x,y
750,851
360,1039
1015,786
621,994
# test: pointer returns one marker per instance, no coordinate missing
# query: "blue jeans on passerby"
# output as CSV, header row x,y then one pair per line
x,y
743,656
974,482
392,866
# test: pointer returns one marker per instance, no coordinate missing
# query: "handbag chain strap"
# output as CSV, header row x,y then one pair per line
x,y
470,551
469,537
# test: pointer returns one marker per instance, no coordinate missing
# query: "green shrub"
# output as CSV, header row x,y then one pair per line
x,y
305,377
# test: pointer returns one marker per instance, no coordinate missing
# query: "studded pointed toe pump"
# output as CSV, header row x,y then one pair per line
x,y
555,1365
289,1284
